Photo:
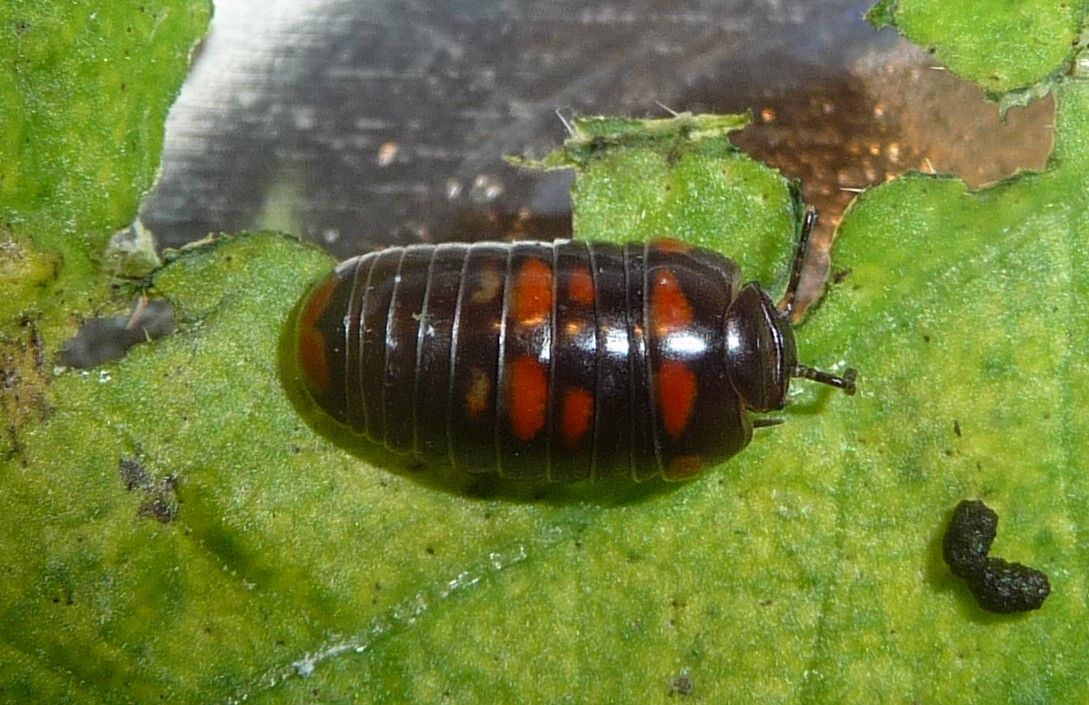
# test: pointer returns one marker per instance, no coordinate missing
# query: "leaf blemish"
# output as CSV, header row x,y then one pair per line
x,y
160,501
681,685
133,474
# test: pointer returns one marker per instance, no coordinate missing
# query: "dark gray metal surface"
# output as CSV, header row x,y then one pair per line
x,y
357,124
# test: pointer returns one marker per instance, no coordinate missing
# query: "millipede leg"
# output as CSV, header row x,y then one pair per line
x,y
786,304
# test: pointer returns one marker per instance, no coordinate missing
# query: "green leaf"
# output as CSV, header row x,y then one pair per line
x,y
84,91
173,527
882,14
962,310
591,137
682,178
1002,46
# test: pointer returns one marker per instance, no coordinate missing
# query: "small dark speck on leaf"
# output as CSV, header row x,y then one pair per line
x,y
956,427
66,598
926,338
998,585
429,550
134,474
841,275
160,498
162,509
681,685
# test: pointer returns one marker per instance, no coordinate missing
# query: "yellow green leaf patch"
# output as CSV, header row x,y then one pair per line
x,y
177,526
1002,46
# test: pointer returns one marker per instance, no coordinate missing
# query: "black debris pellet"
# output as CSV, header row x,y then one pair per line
x,y
1010,587
969,537
998,585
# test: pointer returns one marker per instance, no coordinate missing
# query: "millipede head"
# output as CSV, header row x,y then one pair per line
x,y
761,354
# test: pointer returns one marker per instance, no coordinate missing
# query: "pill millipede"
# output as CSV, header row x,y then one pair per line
x,y
569,360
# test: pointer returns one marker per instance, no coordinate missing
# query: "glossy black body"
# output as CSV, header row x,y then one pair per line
x,y
568,360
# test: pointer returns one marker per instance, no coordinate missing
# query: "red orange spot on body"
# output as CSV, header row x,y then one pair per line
x,y
318,302
315,368
676,388
533,293
580,287
670,245
669,307
577,414
683,467
527,396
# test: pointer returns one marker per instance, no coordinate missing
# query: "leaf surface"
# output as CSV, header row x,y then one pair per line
x,y
180,526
